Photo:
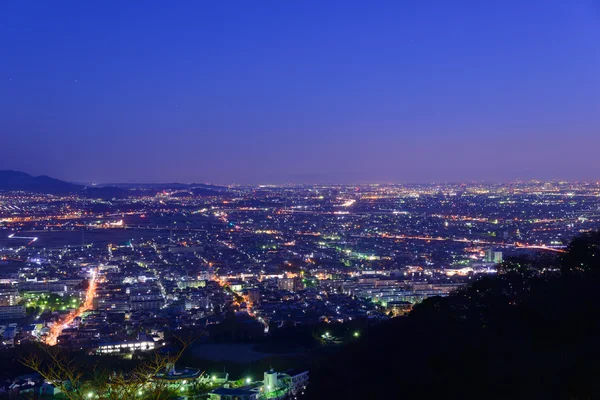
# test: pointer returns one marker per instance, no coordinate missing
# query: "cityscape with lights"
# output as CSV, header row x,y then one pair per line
x,y
244,270
299,200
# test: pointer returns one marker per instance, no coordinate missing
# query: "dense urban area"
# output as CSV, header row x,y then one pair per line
x,y
248,281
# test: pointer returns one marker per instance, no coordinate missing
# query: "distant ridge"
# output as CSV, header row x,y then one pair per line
x,y
20,181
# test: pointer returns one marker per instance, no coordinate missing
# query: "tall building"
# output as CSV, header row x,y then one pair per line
x,y
254,295
290,284
9,296
493,256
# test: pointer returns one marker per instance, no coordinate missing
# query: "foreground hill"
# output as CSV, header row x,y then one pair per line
x,y
528,333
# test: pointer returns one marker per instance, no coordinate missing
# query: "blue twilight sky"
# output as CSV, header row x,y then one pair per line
x,y
300,90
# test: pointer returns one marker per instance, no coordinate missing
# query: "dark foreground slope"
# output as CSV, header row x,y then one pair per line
x,y
524,334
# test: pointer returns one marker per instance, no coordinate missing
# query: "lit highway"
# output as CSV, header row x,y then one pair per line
x,y
56,330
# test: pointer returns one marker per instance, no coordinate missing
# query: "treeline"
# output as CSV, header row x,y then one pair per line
x,y
530,332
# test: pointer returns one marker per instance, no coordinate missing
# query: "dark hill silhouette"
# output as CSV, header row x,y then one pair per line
x,y
528,333
20,181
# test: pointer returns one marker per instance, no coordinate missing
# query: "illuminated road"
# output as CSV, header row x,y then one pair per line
x,y
535,247
225,285
32,238
464,240
57,328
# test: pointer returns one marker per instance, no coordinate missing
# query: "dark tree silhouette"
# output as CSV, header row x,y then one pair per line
x,y
583,255
530,332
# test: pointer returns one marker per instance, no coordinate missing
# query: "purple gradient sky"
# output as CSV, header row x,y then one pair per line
x,y
301,91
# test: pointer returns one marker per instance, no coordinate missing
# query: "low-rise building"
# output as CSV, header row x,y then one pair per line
x,y
12,312
125,346
234,394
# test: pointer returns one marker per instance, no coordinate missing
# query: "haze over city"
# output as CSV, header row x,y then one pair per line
x,y
301,92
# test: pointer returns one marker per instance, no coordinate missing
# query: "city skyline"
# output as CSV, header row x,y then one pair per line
x,y
301,92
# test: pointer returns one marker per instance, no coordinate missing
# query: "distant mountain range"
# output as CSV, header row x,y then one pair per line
x,y
16,180
20,181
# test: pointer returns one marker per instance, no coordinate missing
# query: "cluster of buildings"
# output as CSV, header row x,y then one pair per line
x,y
275,385
385,290
192,382
119,276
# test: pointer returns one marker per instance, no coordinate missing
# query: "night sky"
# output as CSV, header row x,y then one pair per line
x,y
305,91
